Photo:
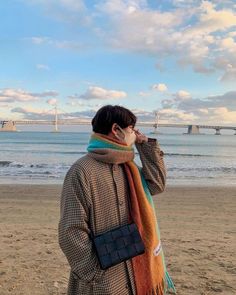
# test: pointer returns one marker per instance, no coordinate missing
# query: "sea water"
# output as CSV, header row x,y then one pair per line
x,y
45,157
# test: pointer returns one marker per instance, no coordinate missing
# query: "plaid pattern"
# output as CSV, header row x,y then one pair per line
x,y
94,196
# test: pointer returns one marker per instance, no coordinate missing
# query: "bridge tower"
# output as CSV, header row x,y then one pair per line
x,y
193,129
56,120
217,131
8,126
156,123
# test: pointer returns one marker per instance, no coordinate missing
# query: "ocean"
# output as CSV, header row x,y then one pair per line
x,y
45,157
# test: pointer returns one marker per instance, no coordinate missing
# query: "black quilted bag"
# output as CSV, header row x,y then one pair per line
x,y
118,245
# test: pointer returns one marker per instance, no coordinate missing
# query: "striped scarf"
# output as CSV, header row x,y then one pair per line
x,y
151,276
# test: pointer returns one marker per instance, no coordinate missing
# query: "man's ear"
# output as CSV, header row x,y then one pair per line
x,y
114,128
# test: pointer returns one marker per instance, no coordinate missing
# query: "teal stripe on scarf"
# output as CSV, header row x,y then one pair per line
x,y
96,143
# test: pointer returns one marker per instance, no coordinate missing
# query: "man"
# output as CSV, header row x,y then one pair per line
x,y
94,200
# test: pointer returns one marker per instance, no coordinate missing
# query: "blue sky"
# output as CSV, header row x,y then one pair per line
x,y
177,57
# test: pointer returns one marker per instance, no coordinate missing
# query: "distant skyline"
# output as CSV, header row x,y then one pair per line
x,y
174,56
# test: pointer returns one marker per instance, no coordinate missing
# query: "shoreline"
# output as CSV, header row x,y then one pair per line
x,y
172,185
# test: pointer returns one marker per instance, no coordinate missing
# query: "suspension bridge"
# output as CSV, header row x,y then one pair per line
x,y
11,125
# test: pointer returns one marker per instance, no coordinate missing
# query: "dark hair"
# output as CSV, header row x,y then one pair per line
x,y
108,115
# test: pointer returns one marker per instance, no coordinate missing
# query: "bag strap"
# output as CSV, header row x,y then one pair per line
x,y
129,204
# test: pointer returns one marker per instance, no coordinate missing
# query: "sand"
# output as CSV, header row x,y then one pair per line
x,y
198,230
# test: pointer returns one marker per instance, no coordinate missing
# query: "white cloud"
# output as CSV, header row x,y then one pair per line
x,y
61,44
203,111
39,40
165,116
141,112
52,101
12,95
29,113
20,95
213,20
32,113
160,87
227,100
68,11
4,105
217,109
194,34
219,116
144,94
229,74
182,95
177,116
30,109
100,93
42,67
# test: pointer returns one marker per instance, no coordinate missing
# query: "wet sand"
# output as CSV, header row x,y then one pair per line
x,y
198,231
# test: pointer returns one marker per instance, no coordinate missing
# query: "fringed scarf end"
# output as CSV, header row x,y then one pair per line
x,y
158,290
169,283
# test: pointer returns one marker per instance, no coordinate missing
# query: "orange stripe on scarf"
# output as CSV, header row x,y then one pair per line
x,y
148,269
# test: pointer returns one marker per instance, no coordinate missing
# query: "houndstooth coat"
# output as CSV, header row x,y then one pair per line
x,y
94,197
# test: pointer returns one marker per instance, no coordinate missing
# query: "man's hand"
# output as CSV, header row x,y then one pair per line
x,y
140,137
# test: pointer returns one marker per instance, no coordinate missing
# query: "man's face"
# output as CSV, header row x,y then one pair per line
x,y
127,134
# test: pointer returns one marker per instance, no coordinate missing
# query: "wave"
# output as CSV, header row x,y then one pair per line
x,y
48,143
48,152
187,155
204,169
84,152
5,163
14,164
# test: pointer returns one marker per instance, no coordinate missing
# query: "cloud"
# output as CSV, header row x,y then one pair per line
x,y
212,110
61,44
42,67
181,95
213,20
39,40
29,113
187,103
227,100
165,116
177,116
68,11
217,116
100,93
208,116
229,74
144,94
143,113
20,95
215,109
197,33
193,33
52,101
160,87
5,105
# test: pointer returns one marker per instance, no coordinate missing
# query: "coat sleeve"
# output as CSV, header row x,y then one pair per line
x,y
74,228
153,166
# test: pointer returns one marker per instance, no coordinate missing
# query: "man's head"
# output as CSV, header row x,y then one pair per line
x,y
115,121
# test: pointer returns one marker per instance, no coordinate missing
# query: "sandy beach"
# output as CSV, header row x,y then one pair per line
x,y
198,231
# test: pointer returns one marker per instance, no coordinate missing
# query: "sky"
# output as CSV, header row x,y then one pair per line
x,y
175,57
